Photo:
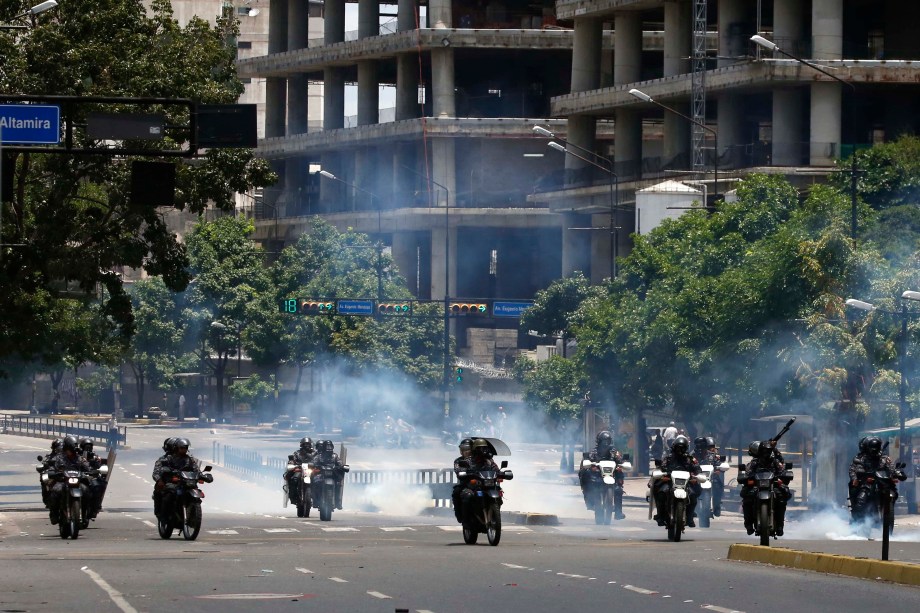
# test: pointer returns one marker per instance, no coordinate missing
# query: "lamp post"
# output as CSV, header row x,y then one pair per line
x,y
31,13
771,46
376,199
906,442
446,382
715,135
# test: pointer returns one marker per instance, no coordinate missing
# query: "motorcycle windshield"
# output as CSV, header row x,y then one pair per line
x,y
498,447
189,475
763,475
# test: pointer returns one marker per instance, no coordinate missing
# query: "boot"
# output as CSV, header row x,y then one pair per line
x,y
54,517
618,506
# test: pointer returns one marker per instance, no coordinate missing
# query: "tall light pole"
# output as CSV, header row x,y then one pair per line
x,y
376,199
31,13
771,46
906,442
446,382
715,135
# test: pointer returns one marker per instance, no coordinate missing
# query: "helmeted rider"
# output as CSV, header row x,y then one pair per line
x,y
325,454
68,459
169,446
96,484
869,460
603,450
303,455
718,477
678,459
480,459
47,463
461,463
166,473
765,456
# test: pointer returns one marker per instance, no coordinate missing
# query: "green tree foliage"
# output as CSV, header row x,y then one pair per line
x,y
69,217
555,386
555,309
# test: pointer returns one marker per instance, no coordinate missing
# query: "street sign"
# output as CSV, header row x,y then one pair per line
x,y
30,124
509,309
354,307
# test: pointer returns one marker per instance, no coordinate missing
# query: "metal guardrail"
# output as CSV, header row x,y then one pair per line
x,y
50,428
253,464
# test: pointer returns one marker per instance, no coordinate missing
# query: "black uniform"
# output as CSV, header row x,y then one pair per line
x,y
64,461
462,463
474,463
325,458
584,477
662,488
863,465
293,477
164,470
774,463
97,484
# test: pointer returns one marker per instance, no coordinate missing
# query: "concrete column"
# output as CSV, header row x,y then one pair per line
x,y
405,253
581,131
368,93
277,26
825,123
439,14
297,87
403,180
586,54
407,106
789,23
827,29
334,22
788,126
627,47
438,254
275,106
627,144
443,164
677,134
368,18
678,37
576,247
731,12
366,165
331,193
406,15
333,98
298,27
442,86
730,121
600,249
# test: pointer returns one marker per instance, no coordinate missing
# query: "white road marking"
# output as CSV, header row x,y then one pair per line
x,y
340,530
451,528
638,590
397,529
114,594
150,523
279,530
379,595
249,596
516,566
338,579
572,576
305,571
221,531
713,607
516,529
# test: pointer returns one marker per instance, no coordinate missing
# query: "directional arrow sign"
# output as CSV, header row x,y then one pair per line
x,y
30,124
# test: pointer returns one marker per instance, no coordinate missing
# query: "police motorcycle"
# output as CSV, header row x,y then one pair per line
x,y
762,486
323,482
881,488
185,514
675,514
602,487
704,503
482,512
75,506
302,498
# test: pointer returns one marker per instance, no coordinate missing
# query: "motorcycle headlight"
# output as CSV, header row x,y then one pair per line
x,y
44,476
764,484
488,483
73,481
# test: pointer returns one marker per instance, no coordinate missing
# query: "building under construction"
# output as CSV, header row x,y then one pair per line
x,y
471,200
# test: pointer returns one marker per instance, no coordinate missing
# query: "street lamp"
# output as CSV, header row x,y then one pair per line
x,y
715,135
31,13
376,199
769,45
614,184
907,445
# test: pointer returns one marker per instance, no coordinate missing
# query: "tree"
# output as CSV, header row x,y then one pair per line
x,y
554,386
555,308
70,215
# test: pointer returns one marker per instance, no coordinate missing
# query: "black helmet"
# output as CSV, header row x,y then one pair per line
x,y
479,445
466,445
710,442
306,444
862,444
328,446
699,443
754,449
70,442
765,451
604,439
874,445
180,443
86,444
167,444
56,444
680,446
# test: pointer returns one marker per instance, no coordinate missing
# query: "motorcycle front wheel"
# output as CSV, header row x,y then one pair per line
x,y
192,524
494,529
164,527
470,534
325,509
599,502
678,519
763,519
74,519
64,524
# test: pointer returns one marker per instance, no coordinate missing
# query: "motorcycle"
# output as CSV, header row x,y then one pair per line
x,y
185,514
75,506
675,515
603,488
710,498
882,489
762,485
323,480
44,480
482,511
301,499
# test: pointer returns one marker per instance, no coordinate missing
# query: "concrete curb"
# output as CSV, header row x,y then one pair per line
x,y
861,568
536,519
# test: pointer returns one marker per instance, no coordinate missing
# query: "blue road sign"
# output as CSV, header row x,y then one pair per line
x,y
354,307
30,124
509,309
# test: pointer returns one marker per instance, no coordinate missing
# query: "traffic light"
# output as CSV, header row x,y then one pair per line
x,y
459,375
469,308
316,307
289,305
394,308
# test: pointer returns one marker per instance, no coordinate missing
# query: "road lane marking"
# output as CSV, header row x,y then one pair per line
x,y
713,607
397,529
340,530
150,523
451,528
572,576
338,579
639,590
114,594
305,571
253,596
221,531
279,530
516,566
379,595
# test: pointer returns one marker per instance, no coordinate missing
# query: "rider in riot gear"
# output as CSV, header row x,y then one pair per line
x,y
765,456
68,459
47,463
678,459
704,451
461,463
97,484
303,455
165,473
169,446
480,459
325,454
869,460
604,450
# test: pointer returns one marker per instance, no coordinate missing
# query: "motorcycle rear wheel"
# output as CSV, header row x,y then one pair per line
x,y
494,529
192,524
763,520
74,519
470,534
705,508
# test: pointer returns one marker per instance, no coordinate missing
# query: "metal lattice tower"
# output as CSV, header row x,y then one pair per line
x,y
698,94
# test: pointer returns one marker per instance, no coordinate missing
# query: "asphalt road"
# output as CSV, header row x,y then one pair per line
x,y
253,554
